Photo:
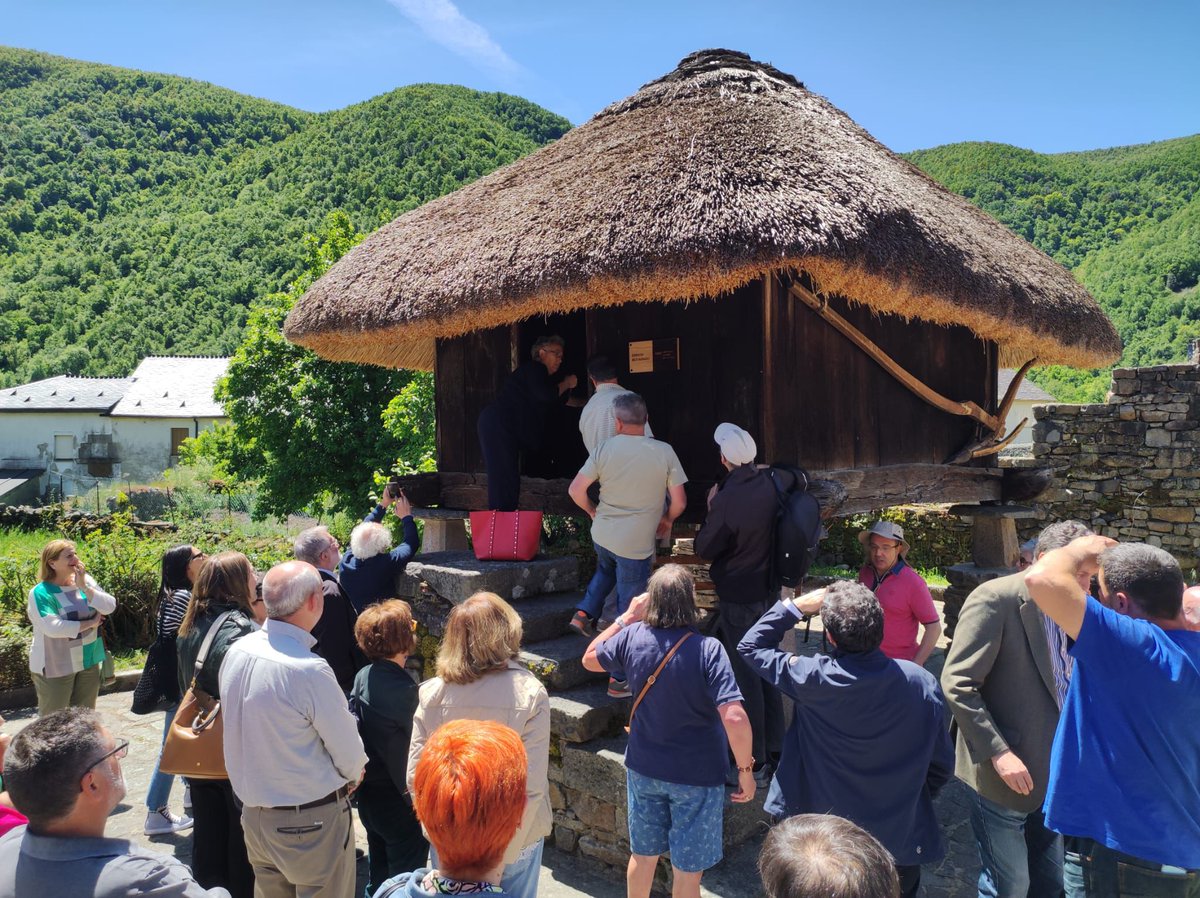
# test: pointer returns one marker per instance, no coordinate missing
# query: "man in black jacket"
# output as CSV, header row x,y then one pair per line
x,y
334,632
736,538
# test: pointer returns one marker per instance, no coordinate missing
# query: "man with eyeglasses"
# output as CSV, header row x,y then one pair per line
x,y
63,772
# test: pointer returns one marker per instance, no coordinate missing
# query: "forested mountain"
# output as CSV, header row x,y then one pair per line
x,y
1126,220
142,213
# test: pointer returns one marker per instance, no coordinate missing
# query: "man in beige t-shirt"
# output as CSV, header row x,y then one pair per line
x,y
634,471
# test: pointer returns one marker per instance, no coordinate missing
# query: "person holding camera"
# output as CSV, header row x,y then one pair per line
x,y
370,567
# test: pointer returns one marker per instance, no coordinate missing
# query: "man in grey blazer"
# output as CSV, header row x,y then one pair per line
x,y
1005,679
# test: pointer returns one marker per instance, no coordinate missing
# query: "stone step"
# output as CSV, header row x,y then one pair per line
x,y
455,576
546,617
559,662
586,712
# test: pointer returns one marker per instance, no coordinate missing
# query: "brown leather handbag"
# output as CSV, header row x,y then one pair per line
x,y
194,742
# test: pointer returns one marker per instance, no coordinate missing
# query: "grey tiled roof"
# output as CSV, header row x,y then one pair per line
x,y
65,393
164,387
1028,390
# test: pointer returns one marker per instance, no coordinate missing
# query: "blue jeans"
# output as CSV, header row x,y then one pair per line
x,y
628,575
1018,856
520,878
160,783
1093,870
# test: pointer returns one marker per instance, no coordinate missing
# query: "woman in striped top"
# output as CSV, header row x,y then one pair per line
x,y
180,567
66,609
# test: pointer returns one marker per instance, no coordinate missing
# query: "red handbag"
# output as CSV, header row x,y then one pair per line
x,y
506,535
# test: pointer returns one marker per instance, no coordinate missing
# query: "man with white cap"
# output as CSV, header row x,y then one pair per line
x,y
902,593
736,538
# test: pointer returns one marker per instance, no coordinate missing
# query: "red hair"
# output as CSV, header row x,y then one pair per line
x,y
469,792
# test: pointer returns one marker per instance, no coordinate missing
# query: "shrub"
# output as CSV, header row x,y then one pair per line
x,y
127,566
14,657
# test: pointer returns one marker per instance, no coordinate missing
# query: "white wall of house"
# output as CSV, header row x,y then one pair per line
x,y
145,444
1021,408
51,441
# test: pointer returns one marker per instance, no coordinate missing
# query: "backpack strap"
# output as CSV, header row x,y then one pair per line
x,y
650,681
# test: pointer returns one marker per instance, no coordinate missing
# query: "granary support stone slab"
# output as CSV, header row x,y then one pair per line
x,y
458,575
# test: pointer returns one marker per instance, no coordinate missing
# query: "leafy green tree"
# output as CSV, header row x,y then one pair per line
x,y
309,430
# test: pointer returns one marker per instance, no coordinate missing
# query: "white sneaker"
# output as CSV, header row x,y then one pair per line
x,y
162,822
187,796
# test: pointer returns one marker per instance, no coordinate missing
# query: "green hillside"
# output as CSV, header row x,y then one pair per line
x,y
142,213
1126,220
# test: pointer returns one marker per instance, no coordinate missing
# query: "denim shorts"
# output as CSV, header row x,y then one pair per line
x,y
685,820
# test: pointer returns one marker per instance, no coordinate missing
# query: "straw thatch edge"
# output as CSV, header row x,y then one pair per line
x,y
412,345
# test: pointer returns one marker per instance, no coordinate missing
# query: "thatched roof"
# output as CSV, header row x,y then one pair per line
x,y
722,171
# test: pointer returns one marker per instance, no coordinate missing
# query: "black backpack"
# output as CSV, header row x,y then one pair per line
x,y
797,528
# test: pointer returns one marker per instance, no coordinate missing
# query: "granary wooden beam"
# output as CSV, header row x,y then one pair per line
x,y
842,492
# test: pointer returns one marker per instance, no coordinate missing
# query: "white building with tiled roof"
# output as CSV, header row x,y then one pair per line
x,y
74,431
1029,394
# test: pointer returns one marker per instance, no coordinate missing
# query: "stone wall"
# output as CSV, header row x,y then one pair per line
x,y
1128,467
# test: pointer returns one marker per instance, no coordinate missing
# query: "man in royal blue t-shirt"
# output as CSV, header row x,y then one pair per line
x,y
1125,767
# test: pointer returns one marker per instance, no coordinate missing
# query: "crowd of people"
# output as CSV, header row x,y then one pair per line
x,y
1062,706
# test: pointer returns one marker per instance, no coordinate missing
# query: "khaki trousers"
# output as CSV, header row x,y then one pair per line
x,y
75,690
301,854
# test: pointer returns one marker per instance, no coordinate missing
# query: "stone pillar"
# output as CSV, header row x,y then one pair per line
x,y
444,531
995,552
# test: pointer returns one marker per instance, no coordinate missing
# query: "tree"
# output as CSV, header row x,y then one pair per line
x,y
309,430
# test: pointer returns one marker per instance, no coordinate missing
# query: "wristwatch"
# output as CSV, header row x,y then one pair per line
x,y
620,622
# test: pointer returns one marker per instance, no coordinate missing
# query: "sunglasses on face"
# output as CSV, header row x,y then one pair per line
x,y
119,752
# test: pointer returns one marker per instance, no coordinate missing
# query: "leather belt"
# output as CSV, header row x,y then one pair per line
x,y
335,795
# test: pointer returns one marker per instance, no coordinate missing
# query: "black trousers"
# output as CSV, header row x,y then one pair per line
x,y
762,701
502,458
394,838
218,845
910,880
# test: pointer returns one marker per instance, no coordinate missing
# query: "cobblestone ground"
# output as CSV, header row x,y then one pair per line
x,y
562,876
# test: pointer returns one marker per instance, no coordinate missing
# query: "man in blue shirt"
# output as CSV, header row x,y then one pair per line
x,y
869,739
1125,766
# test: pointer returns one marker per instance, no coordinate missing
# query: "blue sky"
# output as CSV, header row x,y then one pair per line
x,y
1053,76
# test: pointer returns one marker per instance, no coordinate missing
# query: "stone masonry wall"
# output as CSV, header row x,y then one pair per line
x,y
1128,467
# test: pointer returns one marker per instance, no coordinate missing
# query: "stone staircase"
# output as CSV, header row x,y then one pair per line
x,y
587,749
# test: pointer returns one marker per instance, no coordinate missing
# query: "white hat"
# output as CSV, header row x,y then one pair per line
x,y
888,530
737,446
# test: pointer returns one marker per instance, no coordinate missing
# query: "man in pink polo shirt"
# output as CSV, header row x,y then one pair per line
x,y
907,604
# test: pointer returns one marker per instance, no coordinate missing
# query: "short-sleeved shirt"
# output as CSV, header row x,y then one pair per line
x,y
677,734
598,421
1125,767
906,602
634,473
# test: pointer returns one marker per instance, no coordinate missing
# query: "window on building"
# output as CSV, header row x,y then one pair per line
x,y
64,447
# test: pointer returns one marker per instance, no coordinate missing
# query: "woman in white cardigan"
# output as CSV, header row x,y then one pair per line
x,y
66,609
480,679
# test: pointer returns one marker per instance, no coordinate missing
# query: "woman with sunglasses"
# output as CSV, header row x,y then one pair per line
x,y
516,420
180,567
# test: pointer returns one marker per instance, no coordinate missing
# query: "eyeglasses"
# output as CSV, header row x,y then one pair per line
x,y
198,554
119,752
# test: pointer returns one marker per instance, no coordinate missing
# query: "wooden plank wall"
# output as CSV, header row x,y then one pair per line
x,y
720,374
468,373
833,407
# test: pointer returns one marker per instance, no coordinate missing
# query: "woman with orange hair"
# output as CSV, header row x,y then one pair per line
x,y
479,679
469,793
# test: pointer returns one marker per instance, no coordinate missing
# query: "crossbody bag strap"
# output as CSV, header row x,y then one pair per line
x,y
207,644
650,681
